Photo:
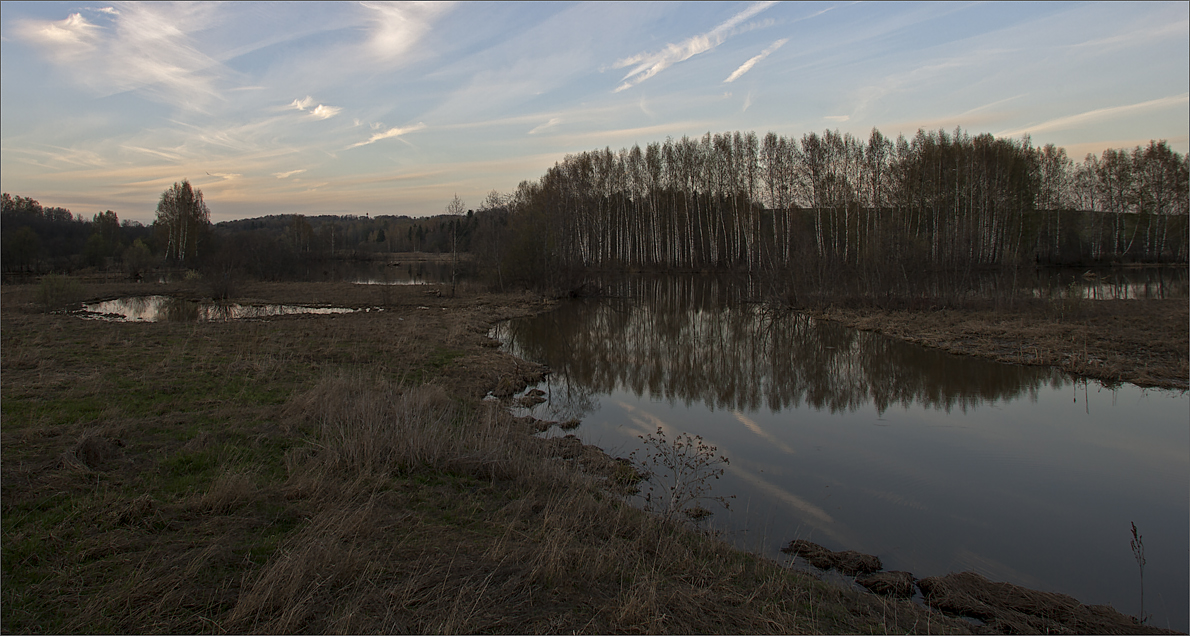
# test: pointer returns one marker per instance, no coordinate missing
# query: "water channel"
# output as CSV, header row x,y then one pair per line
x,y
934,462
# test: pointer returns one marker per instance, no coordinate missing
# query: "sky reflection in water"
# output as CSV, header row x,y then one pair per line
x,y
932,461
168,308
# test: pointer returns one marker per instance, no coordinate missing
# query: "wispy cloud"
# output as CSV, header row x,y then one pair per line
x,y
65,41
325,112
838,118
321,111
226,176
398,26
1099,114
142,47
388,134
554,121
625,136
286,175
644,107
926,76
747,66
1145,34
302,104
649,64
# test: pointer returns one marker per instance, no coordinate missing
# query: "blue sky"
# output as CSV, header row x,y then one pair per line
x,y
375,108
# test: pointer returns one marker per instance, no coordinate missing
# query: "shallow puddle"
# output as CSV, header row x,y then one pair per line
x,y
167,308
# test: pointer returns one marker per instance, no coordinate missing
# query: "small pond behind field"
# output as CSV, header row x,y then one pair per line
x,y
1133,283
931,461
168,308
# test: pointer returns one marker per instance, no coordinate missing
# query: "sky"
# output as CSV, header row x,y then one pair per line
x,y
377,108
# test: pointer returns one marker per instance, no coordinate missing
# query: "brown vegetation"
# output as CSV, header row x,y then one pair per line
x,y
1012,609
1143,342
340,474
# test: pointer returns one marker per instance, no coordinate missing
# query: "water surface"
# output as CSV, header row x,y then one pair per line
x,y
932,461
168,308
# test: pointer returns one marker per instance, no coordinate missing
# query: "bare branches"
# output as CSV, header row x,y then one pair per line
x,y
679,475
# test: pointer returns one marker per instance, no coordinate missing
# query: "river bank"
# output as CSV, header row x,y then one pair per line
x,y
342,473
1145,342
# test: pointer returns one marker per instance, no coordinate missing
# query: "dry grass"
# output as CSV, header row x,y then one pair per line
x,y
373,427
1144,342
340,474
539,548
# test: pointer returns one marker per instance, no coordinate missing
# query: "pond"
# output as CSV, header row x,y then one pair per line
x,y
1129,283
362,272
410,273
168,308
932,461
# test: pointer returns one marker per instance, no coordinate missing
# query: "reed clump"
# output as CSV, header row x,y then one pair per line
x,y
431,515
56,291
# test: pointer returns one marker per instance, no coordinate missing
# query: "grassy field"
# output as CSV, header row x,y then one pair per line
x,y
340,474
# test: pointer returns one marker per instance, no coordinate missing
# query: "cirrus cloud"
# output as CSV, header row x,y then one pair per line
x,y
140,47
397,26
747,66
650,64
388,134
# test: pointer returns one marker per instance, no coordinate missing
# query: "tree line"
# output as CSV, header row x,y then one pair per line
x,y
39,239
941,201
883,214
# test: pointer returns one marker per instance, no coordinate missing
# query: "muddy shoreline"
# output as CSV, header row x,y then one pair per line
x,y
1000,608
1145,342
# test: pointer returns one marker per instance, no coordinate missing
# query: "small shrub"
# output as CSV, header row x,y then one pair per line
x,y
222,286
679,475
57,292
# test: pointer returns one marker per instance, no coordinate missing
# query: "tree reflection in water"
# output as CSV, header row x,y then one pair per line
x,y
684,339
933,461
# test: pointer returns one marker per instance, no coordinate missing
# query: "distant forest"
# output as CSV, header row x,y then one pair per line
x,y
942,202
39,239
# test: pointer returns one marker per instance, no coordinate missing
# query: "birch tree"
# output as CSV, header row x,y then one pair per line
x,y
183,220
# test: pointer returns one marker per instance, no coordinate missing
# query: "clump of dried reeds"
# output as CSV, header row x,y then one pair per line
x,y
1138,553
374,427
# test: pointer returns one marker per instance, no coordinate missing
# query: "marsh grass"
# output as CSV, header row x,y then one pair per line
x,y
56,291
340,474
1144,342
1138,553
